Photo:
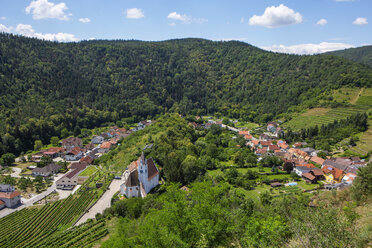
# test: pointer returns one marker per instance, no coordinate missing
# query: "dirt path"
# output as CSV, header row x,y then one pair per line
x,y
353,101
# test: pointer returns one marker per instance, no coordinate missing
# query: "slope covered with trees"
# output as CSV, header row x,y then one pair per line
x,y
360,54
49,88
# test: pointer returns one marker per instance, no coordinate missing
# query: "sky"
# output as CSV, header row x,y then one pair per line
x,y
290,26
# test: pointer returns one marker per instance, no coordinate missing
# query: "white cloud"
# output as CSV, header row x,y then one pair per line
x,y
172,24
5,29
322,22
135,13
84,20
360,21
274,17
27,30
242,20
2,17
308,48
185,19
42,9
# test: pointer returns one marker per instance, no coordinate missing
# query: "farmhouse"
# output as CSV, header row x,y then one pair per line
x,y
10,199
140,177
72,142
71,179
46,170
74,154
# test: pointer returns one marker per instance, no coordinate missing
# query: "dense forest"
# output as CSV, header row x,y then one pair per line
x,y
49,87
360,54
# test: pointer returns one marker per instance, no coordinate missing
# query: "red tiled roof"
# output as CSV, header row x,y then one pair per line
x,y
317,160
75,150
248,137
261,151
273,147
87,159
243,132
10,195
2,203
56,149
318,172
308,175
309,165
132,180
255,142
77,167
283,145
106,145
265,143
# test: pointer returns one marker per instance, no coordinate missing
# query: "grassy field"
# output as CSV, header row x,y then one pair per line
x,y
364,145
247,125
349,95
88,171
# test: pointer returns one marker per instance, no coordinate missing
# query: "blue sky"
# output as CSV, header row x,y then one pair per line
x,y
294,26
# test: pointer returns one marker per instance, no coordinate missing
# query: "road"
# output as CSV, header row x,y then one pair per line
x,y
103,203
16,172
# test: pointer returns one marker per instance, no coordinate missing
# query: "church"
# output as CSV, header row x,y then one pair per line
x,y
140,178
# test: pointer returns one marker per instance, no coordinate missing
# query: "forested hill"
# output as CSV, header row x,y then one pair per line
x,y
47,86
360,54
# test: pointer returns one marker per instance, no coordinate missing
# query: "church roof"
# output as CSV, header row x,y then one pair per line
x,y
152,170
132,180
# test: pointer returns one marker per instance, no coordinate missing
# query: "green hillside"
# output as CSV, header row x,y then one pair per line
x,y
47,87
360,54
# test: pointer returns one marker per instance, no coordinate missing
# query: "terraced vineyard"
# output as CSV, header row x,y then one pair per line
x,y
29,227
322,116
81,236
364,145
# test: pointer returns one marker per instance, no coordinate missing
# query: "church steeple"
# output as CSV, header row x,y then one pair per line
x,y
142,169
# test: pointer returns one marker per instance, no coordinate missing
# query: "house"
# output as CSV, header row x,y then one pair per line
x,y
265,144
248,137
332,174
105,147
308,150
349,178
86,159
273,148
299,170
283,145
71,179
54,152
10,199
317,160
271,126
143,124
309,177
74,154
46,171
318,173
6,188
97,140
72,142
140,177
243,133
261,151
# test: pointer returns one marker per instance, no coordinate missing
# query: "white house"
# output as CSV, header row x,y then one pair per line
x,y
141,177
10,199
74,154
6,188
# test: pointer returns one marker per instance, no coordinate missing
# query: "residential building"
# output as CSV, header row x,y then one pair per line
x,y
10,199
71,179
46,171
72,142
317,160
104,147
74,154
6,188
349,178
97,140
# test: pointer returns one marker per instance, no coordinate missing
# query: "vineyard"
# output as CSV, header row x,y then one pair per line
x,y
30,227
323,117
81,236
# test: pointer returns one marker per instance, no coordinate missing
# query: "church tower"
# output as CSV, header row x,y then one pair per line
x,y
143,170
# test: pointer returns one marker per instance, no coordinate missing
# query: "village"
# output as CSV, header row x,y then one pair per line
x,y
64,168
299,159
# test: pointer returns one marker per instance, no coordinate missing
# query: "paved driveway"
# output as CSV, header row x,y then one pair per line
x,y
103,203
